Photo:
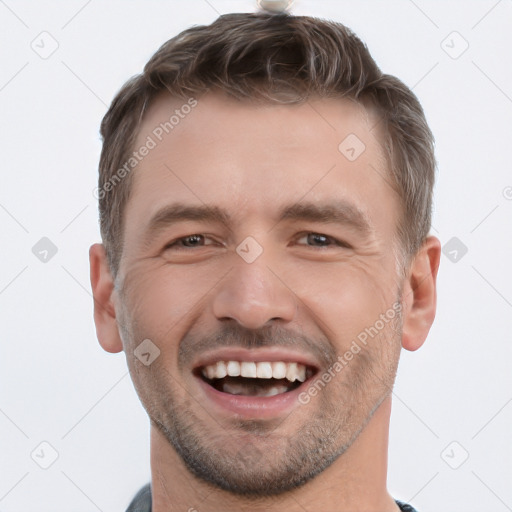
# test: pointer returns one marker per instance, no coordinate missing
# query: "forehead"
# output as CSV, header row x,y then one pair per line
x,y
215,116
251,157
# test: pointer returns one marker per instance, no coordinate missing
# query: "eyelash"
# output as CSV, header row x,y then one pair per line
x,y
335,242
178,240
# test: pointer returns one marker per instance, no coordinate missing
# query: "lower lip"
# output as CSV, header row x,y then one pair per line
x,y
260,407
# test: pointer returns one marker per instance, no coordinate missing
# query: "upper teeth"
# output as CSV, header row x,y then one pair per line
x,y
260,370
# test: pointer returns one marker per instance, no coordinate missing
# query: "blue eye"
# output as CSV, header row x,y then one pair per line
x,y
320,240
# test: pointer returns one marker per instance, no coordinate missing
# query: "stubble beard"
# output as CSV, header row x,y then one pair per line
x,y
259,458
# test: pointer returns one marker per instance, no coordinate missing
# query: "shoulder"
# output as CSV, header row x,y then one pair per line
x,y
142,501
404,507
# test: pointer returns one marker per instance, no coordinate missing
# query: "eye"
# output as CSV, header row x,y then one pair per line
x,y
189,242
320,240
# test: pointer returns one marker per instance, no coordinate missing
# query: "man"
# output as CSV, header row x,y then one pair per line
x,y
265,203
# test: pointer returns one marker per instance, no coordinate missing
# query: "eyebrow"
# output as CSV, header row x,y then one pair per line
x,y
339,212
180,212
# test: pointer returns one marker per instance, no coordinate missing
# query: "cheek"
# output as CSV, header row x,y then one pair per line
x,y
162,299
346,298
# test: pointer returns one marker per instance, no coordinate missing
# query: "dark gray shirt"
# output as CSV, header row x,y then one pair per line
x,y
142,502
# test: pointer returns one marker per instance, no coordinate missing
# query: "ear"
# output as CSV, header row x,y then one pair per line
x,y
102,285
419,294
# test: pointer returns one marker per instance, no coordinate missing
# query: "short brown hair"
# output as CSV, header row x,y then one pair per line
x,y
277,58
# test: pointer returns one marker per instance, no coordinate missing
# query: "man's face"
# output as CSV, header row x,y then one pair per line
x,y
251,238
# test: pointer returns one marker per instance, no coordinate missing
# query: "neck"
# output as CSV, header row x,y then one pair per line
x,y
356,481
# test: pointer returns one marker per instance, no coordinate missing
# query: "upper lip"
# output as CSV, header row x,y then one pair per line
x,y
256,355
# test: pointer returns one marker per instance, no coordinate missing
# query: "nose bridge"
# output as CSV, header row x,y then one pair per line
x,y
252,294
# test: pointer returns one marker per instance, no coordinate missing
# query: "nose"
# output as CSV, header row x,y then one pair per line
x,y
252,294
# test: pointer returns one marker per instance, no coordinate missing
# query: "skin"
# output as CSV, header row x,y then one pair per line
x,y
302,291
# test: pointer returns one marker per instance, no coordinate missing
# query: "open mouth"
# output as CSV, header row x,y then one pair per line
x,y
259,379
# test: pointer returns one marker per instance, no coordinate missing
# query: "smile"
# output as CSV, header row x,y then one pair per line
x,y
253,384
251,378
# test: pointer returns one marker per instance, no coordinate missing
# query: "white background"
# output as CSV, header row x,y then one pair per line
x,y
56,383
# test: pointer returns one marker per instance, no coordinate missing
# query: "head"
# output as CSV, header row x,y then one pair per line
x,y
265,190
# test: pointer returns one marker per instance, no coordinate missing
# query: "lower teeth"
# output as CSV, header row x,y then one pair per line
x,y
235,388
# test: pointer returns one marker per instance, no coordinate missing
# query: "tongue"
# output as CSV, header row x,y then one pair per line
x,y
253,387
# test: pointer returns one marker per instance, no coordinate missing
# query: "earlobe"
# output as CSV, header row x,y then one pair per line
x,y
419,296
102,285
